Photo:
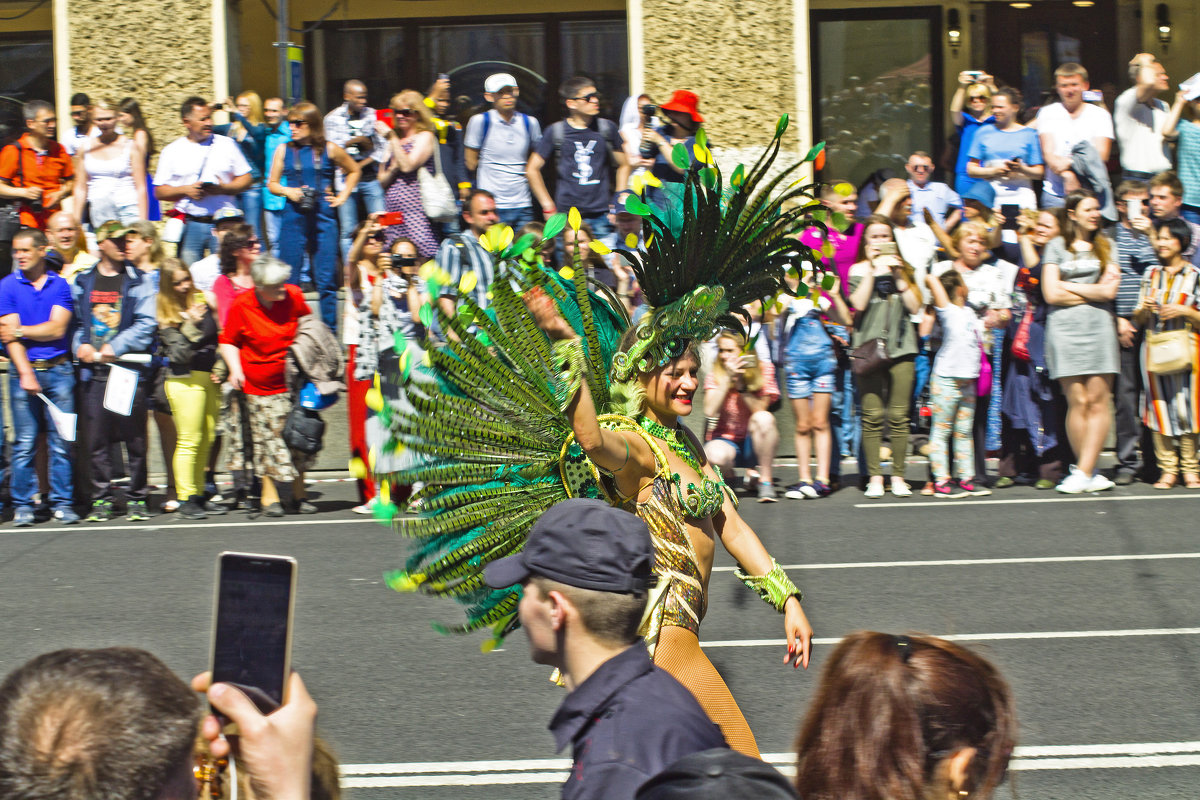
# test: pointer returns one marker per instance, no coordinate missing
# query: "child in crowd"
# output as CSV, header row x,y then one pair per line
x,y
955,370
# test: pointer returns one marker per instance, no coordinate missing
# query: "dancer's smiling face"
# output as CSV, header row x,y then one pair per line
x,y
670,389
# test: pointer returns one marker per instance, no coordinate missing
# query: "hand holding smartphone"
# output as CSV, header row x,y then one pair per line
x,y
252,627
391,218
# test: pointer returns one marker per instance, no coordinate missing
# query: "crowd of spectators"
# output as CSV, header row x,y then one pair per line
x,y
1064,285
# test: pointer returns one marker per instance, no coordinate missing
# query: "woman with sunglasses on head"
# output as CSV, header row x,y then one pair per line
x,y
970,109
309,224
412,144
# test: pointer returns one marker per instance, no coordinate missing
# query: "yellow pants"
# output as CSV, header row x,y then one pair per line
x,y
1168,462
194,400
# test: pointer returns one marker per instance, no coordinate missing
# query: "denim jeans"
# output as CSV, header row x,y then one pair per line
x,y
198,239
515,218
372,196
272,221
314,234
250,201
31,416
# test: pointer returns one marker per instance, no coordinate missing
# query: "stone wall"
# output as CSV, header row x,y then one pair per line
x,y
156,52
735,54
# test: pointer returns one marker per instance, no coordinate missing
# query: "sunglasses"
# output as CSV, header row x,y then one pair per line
x,y
404,112
297,122
920,168
977,97
594,97
378,237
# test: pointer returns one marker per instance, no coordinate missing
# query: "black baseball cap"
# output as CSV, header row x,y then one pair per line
x,y
717,774
583,543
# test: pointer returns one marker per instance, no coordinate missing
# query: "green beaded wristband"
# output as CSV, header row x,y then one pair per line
x,y
775,587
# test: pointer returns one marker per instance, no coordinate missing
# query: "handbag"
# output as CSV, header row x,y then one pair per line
x,y
872,355
1169,352
304,430
437,198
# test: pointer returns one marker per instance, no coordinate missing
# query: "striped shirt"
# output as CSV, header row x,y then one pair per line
x,y
450,258
1135,254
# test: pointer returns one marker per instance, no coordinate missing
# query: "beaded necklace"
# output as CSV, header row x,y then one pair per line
x,y
677,443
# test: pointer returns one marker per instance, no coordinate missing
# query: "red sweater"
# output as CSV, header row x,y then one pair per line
x,y
263,336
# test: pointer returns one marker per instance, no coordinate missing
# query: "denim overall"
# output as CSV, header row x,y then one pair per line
x,y
316,232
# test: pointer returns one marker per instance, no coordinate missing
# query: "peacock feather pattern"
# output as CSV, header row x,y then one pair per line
x,y
484,429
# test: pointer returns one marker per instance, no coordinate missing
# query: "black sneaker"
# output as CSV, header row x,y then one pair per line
x,y
213,507
191,510
302,506
135,511
101,511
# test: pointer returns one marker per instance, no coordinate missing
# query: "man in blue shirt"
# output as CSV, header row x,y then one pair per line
x,y
586,571
35,315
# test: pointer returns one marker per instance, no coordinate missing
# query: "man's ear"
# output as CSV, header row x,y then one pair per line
x,y
560,609
489,96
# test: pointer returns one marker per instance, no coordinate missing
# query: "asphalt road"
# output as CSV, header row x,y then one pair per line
x,y
1091,607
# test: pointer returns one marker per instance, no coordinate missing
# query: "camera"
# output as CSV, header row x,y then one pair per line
x,y
647,149
35,205
649,110
308,200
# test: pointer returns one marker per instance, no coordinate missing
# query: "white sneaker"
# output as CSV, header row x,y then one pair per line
x,y
1075,483
874,491
1099,483
900,488
366,508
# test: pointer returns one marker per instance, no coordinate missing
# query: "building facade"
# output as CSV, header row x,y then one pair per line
x,y
873,78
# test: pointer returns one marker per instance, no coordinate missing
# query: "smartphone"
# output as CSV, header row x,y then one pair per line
x,y
386,116
974,74
252,627
198,298
1093,96
444,76
1010,211
209,187
1133,208
887,249
391,218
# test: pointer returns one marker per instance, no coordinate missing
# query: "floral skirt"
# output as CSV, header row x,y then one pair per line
x,y
272,458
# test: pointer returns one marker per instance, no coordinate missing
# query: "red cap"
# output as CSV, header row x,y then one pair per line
x,y
684,102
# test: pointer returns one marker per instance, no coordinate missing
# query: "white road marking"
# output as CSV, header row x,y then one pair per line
x,y
970,501
970,562
170,524
554,770
983,637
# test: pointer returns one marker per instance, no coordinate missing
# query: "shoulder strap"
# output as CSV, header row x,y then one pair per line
x,y
528,134
487,126
607,128
557,136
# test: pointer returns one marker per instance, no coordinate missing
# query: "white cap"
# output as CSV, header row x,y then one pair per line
x,y
495,83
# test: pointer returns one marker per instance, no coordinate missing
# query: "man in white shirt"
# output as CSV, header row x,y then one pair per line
x,y
1140,118
496,147
943,202
201,173
1063,125
206,271
81,128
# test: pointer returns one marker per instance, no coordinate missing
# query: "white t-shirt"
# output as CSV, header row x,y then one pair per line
x,y
1139,129
205,272
1092,123
962,342
218,160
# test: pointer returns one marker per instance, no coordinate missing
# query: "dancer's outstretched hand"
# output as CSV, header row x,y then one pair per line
x,y
799,634
545,313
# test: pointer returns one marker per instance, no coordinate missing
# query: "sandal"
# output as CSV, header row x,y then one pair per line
x,y
1167,481
1191,480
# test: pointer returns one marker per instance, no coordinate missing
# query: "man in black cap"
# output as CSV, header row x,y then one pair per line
x,y
587,570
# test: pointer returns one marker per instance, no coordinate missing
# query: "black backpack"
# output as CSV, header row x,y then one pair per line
x,y
304,430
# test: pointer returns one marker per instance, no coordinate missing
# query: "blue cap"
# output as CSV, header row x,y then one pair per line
x,y
311,398
583,543
981,191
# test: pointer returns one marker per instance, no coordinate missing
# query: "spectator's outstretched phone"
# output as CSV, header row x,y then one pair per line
x,y
252,627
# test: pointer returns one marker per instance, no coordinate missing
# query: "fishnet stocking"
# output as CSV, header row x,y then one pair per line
x,y
678,652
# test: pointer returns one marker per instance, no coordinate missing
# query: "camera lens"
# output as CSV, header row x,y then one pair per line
x,y
649,109
407,261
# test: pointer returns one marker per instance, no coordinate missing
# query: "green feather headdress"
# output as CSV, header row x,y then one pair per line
x,y
710,249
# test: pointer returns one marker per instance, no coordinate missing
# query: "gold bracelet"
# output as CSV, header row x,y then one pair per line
x,y
775,587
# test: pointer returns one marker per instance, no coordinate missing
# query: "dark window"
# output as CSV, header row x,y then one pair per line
x,y
876,87
26,69
539,50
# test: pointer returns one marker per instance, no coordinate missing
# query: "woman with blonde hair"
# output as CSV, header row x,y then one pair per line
x,y
737,393
1080,279
309,224
187,333
412,144
110,173
247,128
884,295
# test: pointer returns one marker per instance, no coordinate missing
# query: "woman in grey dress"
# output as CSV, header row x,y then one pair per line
x,y
1080,277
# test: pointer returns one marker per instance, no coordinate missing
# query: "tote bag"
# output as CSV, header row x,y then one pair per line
x,y
437,198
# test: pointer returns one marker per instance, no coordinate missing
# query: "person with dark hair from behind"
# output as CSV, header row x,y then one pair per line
x,y
117,723
587,570
905,717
